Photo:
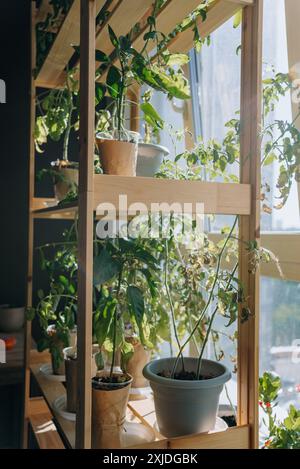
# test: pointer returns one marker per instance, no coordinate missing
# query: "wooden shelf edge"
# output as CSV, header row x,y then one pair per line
x,y
217,198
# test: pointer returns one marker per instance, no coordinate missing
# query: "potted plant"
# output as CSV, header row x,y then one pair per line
x,y
150,153
58,117
122,270
56,309
187,390
118,148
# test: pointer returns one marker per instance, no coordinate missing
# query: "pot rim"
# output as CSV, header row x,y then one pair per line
x,y
111,386
66,350
156,146
186,384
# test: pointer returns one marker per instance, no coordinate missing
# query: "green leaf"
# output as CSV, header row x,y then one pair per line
x,y
40,294
102,321
30,314
113,38
100,92
176,59
113,81
101,57
105,267
136,303
150,112
270,159
237,19
99,361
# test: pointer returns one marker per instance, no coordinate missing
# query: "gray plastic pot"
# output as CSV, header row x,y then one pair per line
x,y
149,159
11,319
185,407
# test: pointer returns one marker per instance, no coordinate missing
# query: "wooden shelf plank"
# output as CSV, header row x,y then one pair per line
x,y
218,198
40,419
124,17
51,390
52,72
218,13
232,438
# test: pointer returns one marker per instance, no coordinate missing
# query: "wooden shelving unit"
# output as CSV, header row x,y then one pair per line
x,y
218,198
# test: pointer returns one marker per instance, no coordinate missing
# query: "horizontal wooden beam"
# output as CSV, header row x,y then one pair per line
x,y
217,198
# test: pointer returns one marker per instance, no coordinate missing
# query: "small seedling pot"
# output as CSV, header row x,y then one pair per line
x,y
117,156
71,363
149,159
109,404
11,319
184,407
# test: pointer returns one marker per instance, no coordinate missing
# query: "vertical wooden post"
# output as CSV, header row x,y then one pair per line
x,y
85,228
31,177
251,82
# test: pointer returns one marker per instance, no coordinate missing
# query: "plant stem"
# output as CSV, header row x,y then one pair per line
x,y
69,123
115,325
210,295
171,306
210,326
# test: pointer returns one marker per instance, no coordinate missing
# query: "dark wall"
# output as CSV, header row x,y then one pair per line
x,y
14,148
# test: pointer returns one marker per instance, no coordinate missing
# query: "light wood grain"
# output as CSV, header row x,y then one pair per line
x,y
51,390
217,197
232,438
52,73
86,222
250,172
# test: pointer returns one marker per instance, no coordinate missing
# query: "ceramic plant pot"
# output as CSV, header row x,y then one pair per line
x,y
109,404
118,156
59,345
185,407
11,319
149,159
70,356
67,179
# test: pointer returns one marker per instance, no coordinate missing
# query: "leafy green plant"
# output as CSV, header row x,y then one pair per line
x,y
58,306
127,66
125,281
282,435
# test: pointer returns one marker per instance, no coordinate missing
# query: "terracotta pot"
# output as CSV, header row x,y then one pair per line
x,y
118,156
70,354
70,182
108,414
137,362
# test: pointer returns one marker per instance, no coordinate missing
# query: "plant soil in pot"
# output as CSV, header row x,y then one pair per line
x,y
185,406
110,396
67,178
70,355
149,159
118,153
137,362
11,319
